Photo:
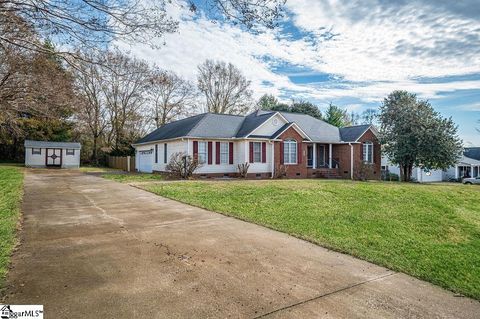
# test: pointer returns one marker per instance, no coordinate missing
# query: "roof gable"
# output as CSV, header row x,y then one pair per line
x,y
252,121
353,133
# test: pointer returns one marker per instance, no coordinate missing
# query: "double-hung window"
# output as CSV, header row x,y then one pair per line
x,y
290,152
368,152
257,152
224,153
202,152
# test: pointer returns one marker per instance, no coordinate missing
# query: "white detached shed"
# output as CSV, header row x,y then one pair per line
x,y
52,154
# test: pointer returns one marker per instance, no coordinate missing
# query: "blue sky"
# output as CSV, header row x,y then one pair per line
x,y
349,52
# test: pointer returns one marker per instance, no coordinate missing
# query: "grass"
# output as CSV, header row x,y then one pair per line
x,y
11,182
431,232
134,177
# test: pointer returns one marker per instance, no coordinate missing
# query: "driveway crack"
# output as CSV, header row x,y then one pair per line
x,y
325,295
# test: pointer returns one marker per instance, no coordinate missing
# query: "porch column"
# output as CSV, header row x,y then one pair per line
x,y
314,161
330,155
456,171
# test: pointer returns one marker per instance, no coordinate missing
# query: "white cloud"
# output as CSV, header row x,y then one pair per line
x,y
390,42
379,47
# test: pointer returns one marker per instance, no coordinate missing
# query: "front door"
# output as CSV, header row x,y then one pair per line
x,y
54,157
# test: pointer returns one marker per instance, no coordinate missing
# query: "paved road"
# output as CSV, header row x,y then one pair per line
x,y
93,248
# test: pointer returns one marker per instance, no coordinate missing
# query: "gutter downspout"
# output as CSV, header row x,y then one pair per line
x,y
273,159
351,160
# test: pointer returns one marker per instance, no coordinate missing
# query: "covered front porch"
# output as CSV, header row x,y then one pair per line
x,y
321,162
321,156
467,167
462,171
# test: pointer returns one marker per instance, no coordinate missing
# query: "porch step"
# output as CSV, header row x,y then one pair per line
x,y
329,173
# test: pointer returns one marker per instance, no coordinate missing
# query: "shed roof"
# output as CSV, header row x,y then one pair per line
x,y
48,144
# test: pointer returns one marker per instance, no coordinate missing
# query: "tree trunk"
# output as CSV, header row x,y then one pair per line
x,y
95,153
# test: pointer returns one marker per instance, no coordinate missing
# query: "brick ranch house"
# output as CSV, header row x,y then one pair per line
x,y
307,147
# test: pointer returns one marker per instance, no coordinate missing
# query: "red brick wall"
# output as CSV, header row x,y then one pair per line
x,y
358,155
293,171
342,154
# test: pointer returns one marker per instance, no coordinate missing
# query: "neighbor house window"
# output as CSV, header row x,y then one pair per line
x,y
36,151
257,152
290,152
202,152
70,151
368,152
156,153
224,153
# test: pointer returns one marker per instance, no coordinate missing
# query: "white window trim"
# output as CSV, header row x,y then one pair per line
x,y
35,149
368,147
288,142
203,153
259,152
226,154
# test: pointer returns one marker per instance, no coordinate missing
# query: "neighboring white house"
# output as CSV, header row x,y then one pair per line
x,y
52,154
467,166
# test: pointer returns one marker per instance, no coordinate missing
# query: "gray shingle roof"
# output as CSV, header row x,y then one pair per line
x,y
352,133
252,121
472,152
210,125
317,130
47,144
203,125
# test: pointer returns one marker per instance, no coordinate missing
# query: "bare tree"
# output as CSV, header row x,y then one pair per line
x,y
91,24
226,89
92,111
125,81
170,95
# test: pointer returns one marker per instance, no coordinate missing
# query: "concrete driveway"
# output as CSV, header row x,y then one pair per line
x,y
96,248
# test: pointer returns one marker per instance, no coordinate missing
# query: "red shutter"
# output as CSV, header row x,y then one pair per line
x,y
217,153
264,152
210,155
299,153
281,153
251,152
230,153
195,150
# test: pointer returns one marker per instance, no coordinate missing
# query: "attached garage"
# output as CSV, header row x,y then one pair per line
x,y
145,161
52,154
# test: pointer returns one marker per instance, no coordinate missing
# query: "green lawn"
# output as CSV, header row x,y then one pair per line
x,y
429,231
134,177
11,182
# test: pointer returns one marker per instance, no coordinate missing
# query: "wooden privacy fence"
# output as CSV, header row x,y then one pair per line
x,y
126,163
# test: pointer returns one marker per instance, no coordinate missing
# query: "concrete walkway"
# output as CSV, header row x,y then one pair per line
x,y
93,248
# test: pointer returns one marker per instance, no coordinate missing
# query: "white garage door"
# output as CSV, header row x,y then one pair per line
x,y
431,176
145,161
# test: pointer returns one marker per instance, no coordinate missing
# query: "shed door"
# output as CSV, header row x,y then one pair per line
x,y
54,157
145,161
